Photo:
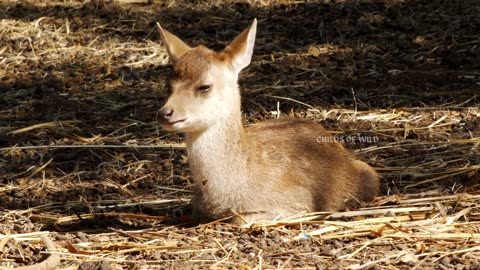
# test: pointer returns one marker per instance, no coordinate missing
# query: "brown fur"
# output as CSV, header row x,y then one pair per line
x,y
267,171
193,64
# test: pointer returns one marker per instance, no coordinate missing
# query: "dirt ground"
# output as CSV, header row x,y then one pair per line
x,y
89,179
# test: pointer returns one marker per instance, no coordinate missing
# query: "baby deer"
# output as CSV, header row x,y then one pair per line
x,y
264,172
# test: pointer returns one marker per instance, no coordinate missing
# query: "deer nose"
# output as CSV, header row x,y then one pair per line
x,y
166,113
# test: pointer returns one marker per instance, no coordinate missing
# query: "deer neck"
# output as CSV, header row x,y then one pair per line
x,y
218,155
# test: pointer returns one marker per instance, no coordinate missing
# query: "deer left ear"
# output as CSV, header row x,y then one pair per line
x,y
240,49
175,46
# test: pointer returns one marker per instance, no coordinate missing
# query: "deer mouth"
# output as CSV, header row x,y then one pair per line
x,y
172,123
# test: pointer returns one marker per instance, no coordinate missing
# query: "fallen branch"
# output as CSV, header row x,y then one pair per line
x,y
50,263
150,146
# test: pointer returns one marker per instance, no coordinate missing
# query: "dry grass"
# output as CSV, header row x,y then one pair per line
x,y
84,164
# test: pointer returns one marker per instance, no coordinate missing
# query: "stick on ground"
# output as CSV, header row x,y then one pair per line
x,y
50,263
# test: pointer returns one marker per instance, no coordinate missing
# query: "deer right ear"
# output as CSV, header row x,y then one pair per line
x,y
175,46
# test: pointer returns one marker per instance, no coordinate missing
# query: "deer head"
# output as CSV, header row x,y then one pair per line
x,y
203,85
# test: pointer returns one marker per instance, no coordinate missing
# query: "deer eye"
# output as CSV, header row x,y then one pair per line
x,y
204,88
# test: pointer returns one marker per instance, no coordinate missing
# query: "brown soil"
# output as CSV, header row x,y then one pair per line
x,y
86,78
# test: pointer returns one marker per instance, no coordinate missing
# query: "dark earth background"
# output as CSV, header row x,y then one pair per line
x,y
88,78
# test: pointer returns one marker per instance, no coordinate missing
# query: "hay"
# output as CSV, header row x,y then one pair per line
x,y
84,162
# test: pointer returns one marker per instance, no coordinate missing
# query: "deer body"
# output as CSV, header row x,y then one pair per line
x,y
266,171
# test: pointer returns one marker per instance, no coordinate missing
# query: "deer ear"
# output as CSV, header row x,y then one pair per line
x,y
175,46
240,49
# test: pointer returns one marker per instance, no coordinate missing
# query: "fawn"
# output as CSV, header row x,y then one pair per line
x,y
264,172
